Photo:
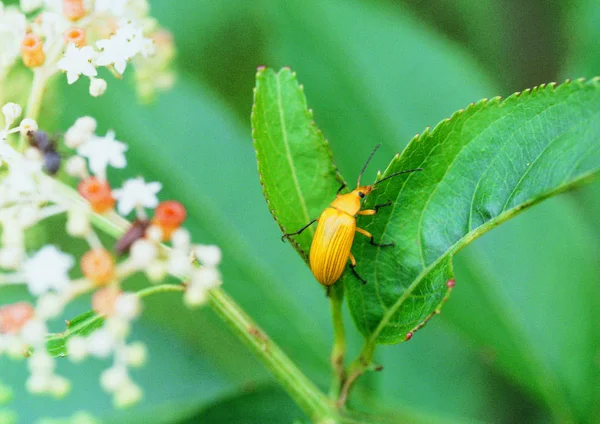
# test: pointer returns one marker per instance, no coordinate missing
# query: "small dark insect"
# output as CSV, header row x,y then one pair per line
x,y
47,146
134,233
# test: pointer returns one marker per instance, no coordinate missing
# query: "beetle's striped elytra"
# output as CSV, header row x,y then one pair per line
x,y
332,242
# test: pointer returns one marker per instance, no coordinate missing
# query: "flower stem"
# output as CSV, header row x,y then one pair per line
x,y
299,387
355,370
34,102
314,403
338,353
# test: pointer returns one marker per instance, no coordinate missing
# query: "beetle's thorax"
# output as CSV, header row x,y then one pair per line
x,y
350,203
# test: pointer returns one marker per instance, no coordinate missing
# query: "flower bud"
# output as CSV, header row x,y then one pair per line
x,y
97,87
11,112
73,9
28,125
32,51
76,36
76,167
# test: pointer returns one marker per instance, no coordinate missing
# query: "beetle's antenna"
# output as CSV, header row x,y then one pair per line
x,y
398,173
366,164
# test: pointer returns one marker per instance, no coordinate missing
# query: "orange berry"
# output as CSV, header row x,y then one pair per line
x,y
76,36
73,9
169,216
98,193
32,51
13,317
98,266
103,301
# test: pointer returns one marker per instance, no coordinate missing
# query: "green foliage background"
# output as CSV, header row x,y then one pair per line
x,y
518,340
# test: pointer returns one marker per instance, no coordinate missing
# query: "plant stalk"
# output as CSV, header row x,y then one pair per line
x,y
338,352
298,386
314,403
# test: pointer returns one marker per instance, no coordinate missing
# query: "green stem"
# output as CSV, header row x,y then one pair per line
x,y
355,370
314,403
161,288
34,102
338,353
299,387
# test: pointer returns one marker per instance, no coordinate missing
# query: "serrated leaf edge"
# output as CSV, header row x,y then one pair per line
x,y
504,216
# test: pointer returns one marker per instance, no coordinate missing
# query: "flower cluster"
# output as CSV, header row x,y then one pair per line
x,y
55,277
77,37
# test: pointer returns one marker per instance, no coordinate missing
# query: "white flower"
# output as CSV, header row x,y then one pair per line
x,y
27,125
209,255
127,395
11,112
100,343
97,87
77,348
114,51
128,306
77,61
6,151
136,193
87,124
205,277
113,378
143,253
126,43
20,179
116,7
136,354
76,166
136,42
12,31
103,151
47,269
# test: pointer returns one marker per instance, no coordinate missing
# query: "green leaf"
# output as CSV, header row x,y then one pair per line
x,y
482,166
373,73
294,160
82,325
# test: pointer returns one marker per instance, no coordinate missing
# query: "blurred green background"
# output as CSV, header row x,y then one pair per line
x,y
519,341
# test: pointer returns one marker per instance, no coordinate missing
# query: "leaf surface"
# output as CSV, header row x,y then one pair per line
x,y
481,167
294,160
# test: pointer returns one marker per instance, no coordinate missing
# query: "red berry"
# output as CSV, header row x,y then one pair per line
x,y
169,216
98,193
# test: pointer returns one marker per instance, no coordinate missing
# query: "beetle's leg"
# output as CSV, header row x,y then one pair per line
x,y
368,234
375,210
352,266
341,188
383,205
283,237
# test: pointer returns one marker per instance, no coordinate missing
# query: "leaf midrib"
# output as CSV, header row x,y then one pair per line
x,y
395,307
466,239
288,151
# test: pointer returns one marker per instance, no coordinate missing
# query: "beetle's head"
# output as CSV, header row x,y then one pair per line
x,y
362,191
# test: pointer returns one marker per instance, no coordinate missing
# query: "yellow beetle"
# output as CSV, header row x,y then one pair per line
x,y
330,248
